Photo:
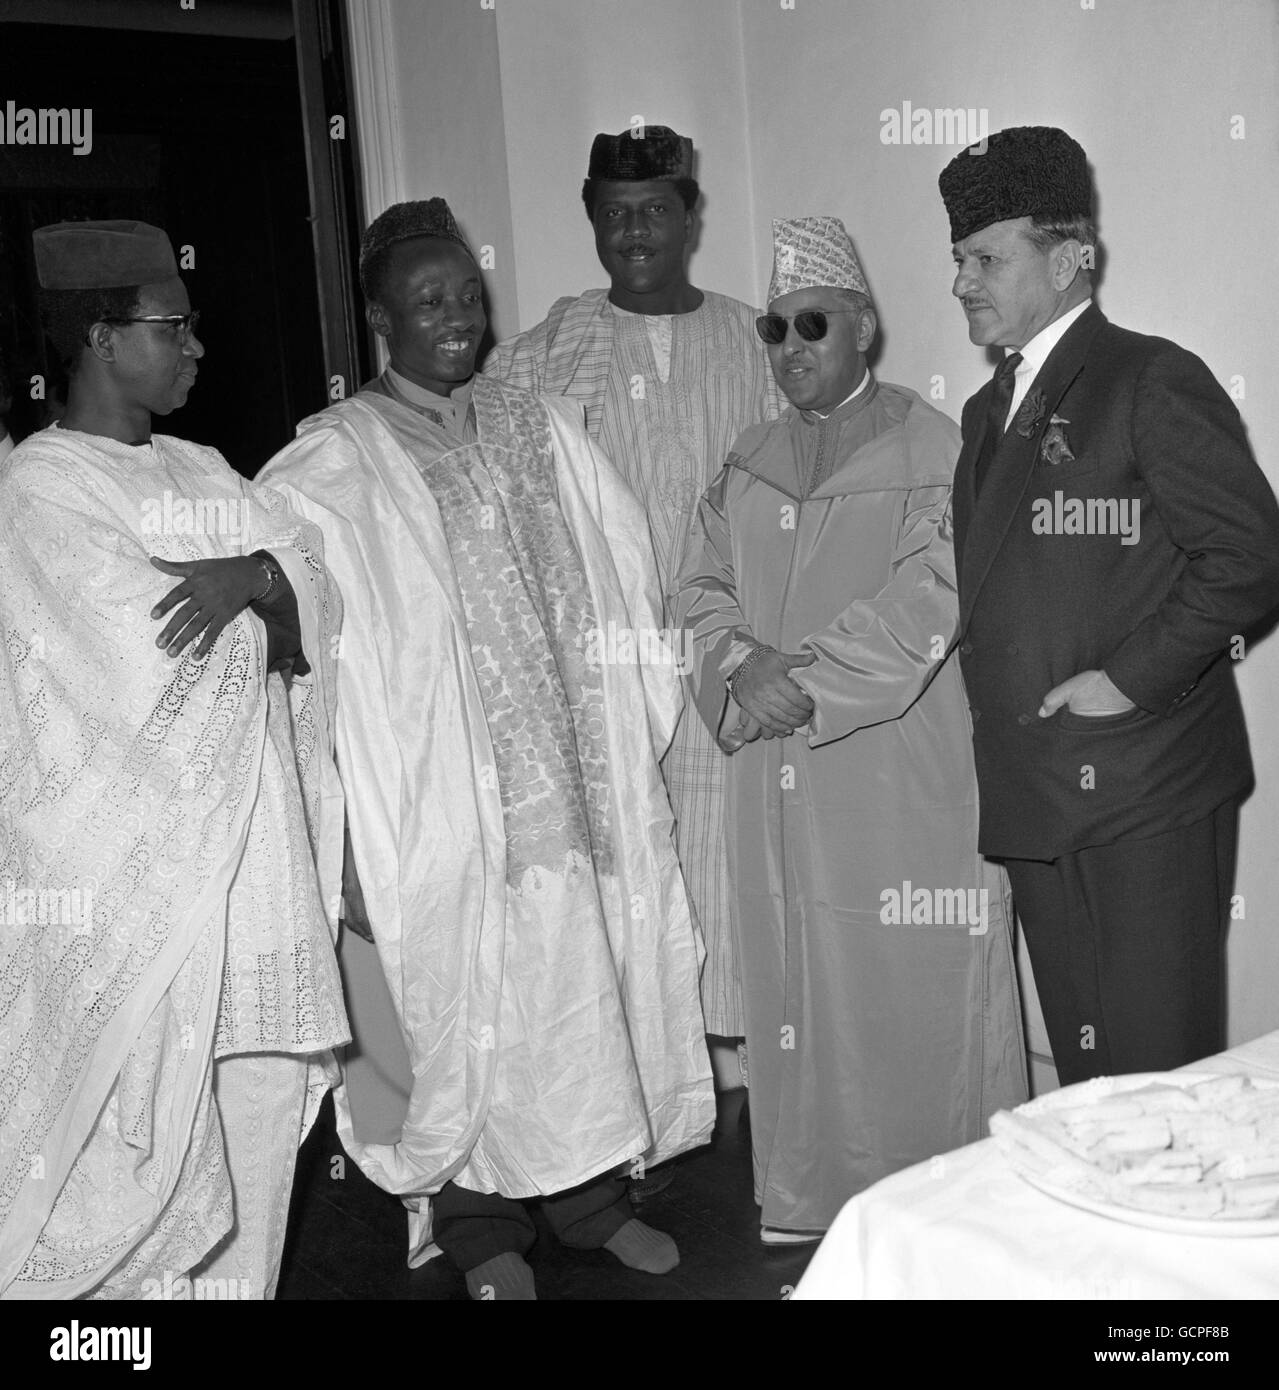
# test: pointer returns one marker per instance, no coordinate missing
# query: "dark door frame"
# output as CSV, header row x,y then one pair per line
x,y
333,170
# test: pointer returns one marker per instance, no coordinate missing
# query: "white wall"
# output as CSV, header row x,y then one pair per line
x,y
571,68
784,107
429,115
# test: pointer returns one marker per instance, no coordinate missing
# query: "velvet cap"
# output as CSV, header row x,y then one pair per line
x,y
102,255
640,154
1026,171
404,222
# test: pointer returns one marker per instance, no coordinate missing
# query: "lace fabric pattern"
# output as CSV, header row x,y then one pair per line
x,y
130,784
281,989
118,1209
262,1099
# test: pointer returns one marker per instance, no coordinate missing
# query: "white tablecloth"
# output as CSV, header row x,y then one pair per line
x,y
964,1225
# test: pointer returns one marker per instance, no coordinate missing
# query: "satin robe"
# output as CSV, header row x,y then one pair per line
x,y
874,1042
544,978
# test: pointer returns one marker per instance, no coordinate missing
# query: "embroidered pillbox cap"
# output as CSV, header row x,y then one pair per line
x,y
813,251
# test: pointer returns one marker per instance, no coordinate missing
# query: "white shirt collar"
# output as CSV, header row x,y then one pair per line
x,y
852,395
1035,354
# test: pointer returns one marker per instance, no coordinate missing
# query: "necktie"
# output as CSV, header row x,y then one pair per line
x,y
1001,396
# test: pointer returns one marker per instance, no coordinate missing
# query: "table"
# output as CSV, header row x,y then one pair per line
x,y
964,1226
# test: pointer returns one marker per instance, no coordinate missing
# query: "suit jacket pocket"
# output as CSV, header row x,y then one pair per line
x,y
1078,467
1099,723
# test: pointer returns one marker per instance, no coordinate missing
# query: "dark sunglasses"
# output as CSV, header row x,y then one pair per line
x,y
810,324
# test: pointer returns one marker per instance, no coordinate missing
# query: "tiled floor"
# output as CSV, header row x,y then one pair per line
x,y
347,1238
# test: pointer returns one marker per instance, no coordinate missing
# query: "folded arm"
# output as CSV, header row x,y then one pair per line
x,y
278,609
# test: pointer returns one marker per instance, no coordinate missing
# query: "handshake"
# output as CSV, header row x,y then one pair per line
x,y
772,705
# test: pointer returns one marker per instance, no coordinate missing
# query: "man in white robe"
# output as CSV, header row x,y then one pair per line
x,y
509,827
169,986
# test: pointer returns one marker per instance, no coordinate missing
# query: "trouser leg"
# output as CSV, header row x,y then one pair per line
x,y
473,1227
1127,944
1060,939
1164,905
260,1098
585,1217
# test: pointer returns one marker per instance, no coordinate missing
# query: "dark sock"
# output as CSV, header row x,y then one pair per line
x,y
505,1276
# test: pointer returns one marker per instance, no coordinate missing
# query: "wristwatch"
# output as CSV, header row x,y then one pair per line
x,y
273,575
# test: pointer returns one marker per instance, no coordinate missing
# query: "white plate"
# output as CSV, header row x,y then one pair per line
x,y
1134,1216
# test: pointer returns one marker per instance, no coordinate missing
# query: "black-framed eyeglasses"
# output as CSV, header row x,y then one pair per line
x,y
184,323
810,324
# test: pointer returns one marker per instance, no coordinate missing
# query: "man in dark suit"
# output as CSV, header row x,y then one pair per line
x,y
1115,541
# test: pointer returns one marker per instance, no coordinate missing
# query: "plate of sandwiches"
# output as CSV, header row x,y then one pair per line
x,y
1181,1151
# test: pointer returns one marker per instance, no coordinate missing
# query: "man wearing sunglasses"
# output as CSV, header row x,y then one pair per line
x,y
819,588
172,993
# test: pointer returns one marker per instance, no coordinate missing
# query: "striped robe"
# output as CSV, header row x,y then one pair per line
x,y
668,439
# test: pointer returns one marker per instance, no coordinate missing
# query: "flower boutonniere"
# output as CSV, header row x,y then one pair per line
x,y
1030,414
1054,448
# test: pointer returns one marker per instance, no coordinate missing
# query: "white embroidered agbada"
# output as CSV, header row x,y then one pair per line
x,y
181,806
510,828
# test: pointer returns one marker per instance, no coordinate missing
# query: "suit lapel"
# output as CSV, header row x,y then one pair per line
x,y
986,522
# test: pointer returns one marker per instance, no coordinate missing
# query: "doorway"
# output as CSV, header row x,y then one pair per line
x,y
213,121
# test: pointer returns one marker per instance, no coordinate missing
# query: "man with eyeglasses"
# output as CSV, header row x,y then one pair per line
x,y
171,991
668,376
819,588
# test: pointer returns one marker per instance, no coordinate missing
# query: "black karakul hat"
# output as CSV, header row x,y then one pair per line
x,y
641,153
404,221
1029,170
